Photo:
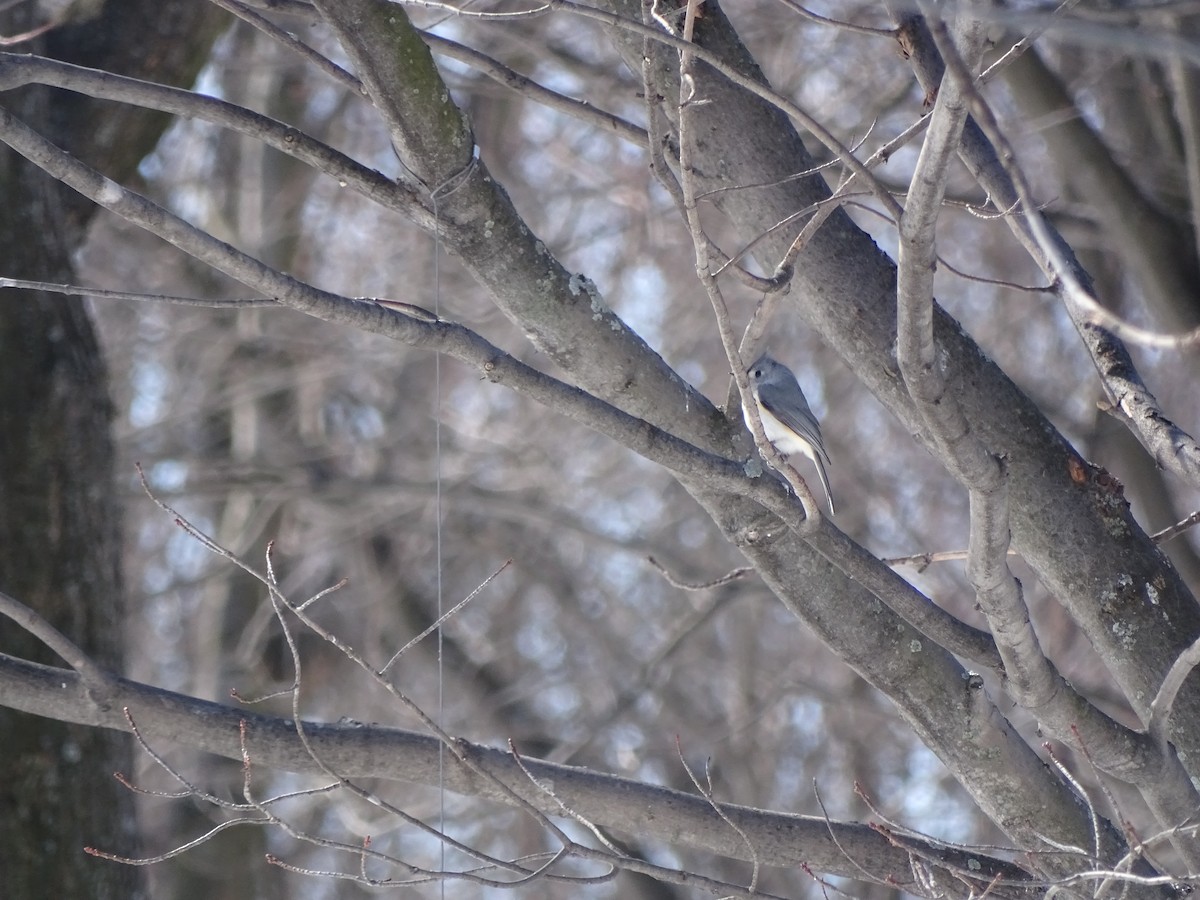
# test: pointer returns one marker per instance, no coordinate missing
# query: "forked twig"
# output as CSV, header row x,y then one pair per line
x,y
708,793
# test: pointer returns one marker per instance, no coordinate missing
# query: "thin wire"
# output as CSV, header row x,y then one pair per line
x,y
437,512
448,187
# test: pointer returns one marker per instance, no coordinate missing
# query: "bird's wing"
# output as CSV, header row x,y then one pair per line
x,y
801,420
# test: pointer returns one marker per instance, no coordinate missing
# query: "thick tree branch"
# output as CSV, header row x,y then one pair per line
x,y
917,353
1034,682
1107,550
366,751
429,133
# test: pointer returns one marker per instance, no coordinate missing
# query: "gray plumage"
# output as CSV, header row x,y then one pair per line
x,y
787,420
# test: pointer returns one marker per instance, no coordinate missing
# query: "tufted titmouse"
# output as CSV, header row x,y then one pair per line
x,y
788,422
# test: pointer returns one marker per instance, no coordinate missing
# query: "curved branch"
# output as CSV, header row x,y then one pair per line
x,y
17,70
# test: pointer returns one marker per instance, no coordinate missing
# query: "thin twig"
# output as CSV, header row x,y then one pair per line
x,y
443,619
923,561
527,87
281,603
708,793
75,290
837,23
319,61
1173,531
566,810
732,575
868,876
1024,43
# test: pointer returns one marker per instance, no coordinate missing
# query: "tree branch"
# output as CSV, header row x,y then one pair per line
x,y
362,751
1034,682
17,70
1043,498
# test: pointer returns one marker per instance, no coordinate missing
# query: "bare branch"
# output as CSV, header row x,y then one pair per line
x,y
1023,44
371,751
845,26
99,681
274,32
100,293
1164,701
1007,185
602,121
440,620
706,790
17,70
741,572
1173,531
1035,682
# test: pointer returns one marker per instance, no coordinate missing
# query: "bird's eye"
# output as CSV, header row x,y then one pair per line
x,y
758,373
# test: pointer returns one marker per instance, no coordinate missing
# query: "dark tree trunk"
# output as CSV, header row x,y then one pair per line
x,y
60,525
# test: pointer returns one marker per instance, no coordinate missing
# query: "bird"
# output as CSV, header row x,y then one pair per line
x,y
787,420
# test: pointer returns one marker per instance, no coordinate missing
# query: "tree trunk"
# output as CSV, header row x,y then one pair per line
x,y
60,532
